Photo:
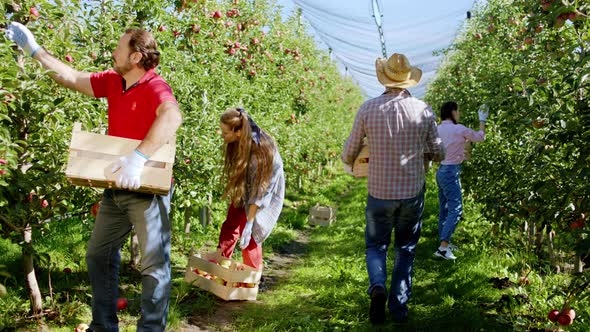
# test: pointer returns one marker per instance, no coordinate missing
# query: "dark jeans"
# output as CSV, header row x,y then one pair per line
x,y
404,217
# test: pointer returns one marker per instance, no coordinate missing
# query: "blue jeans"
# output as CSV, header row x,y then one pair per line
x,y
404,217
147,214
450,200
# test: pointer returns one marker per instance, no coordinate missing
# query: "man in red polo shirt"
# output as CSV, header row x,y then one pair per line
x,y
141,106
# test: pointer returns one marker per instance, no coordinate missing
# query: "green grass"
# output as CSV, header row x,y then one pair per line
x,y
326,287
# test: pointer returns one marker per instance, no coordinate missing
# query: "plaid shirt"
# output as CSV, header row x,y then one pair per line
x,y
401,131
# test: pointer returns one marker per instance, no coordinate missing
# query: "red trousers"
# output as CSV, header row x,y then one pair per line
x,y
231,230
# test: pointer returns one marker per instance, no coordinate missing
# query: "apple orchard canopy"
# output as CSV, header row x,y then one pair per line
x,y
397,72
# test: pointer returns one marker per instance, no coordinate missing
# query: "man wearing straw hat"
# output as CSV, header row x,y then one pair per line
x,y
401,131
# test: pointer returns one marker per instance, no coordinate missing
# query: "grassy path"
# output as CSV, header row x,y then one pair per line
x,y
326,290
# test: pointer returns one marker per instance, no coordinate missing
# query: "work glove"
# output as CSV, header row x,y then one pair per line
x,y
483,113
23,37
246,235
131,167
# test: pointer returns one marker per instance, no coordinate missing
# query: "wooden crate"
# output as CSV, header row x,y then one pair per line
x,y
226,283
360,168
91,158
322,215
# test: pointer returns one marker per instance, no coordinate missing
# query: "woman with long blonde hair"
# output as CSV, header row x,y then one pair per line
x,y
254,184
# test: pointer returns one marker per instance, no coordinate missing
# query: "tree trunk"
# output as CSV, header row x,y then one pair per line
x,y
31,278
188,211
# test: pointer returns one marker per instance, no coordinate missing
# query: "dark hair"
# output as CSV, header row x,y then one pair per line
x,y
143,42
446,111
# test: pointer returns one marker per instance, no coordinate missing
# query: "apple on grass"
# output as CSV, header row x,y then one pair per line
x,y
121,303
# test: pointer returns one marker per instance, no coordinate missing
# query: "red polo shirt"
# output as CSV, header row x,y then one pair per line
x,y
132,111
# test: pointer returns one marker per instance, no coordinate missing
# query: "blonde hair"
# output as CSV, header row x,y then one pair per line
x,y
237,158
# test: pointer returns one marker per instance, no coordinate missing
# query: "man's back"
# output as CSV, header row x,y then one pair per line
x,y
399,129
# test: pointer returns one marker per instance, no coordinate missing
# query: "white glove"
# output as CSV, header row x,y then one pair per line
x,y
246,235
483,113
348,169
131,167
23,37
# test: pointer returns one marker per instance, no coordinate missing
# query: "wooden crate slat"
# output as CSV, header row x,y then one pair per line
x,y
92,155
115,146
360,168
226,292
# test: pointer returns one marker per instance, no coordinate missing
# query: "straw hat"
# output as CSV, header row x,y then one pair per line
x,y
397,72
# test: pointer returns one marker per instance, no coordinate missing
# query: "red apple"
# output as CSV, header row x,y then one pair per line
x,y
553,314
2,171
216,14
187,161
95,208
50,26
2,161
67,270
93,55
252,72
255,41
196,28
121,303
293,116
578,223
539,28
529,40
33,11
162,28
231,51
69,58
524,281
565,319
538,123
44,203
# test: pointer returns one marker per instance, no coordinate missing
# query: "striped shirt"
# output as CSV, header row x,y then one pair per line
x,y
270,203
400,130
454,137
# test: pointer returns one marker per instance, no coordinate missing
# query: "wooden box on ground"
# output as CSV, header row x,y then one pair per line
x,y
322,215
92,156
227,283
360,168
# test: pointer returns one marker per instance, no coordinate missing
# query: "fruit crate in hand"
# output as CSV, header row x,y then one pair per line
x,y
224,277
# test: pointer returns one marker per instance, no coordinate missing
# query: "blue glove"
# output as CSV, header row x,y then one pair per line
x,y
23,37
483,113
246,235
131,167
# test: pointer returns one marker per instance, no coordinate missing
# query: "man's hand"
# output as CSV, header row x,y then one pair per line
x,y
246,235
23,37
483,113
348,169
131,167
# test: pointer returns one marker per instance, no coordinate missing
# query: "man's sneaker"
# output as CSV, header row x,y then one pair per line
x,y
377,309
445,253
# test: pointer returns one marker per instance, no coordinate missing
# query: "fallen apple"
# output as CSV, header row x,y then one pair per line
x,y
67,270
524,280
121,303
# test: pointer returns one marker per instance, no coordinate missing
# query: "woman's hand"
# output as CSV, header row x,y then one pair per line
x,y
246,235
